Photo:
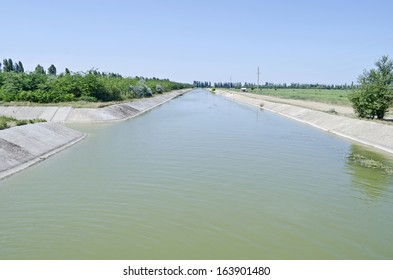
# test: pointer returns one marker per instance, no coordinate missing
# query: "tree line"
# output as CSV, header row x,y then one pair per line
x,y
47,86
268,85
202,84
307,86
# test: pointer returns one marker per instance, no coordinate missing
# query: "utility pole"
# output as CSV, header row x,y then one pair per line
x,y
258,78
230,81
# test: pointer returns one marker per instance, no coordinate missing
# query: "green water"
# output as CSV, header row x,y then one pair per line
x,y
201,177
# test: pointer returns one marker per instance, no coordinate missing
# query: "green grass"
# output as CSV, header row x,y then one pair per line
x,y
330,96
7,122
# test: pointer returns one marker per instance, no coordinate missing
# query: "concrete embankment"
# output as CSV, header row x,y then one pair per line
x,y
23,146
371,133
86,115
119,111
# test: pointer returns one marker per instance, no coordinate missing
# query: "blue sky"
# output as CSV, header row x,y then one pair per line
x,y
291,41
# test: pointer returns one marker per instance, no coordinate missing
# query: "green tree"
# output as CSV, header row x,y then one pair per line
x,y
21,68
8,65
5,65
18,67
52,70
374,96
67,71
39,69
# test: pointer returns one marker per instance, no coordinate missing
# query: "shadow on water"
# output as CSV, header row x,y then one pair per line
x,y
372,173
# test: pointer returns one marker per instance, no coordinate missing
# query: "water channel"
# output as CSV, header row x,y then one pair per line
x,y
201,177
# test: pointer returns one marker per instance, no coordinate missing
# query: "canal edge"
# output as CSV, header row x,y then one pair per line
x,y
371,129
28,131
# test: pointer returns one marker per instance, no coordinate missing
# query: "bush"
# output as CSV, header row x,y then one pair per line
x,y
3,125
90,86
375,93
159,89
141,89
21,122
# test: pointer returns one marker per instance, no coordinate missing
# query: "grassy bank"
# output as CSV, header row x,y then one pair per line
x,y
7,122
331,96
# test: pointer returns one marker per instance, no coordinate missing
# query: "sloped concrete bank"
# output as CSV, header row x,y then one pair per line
x,y
23,146
371,133
119,111
68,114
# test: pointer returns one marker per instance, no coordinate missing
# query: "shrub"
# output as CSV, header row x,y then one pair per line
x,y
141,89
3,125
159,89
375,93
21,122
90,86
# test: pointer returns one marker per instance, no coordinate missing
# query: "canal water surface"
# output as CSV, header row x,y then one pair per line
x,y
202,177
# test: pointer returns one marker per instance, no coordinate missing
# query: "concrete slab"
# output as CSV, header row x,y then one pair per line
x,y
61,114
25,145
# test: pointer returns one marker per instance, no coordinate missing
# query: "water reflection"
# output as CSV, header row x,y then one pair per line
x,y
371,172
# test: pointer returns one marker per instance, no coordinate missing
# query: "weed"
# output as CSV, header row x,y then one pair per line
x,y
370,163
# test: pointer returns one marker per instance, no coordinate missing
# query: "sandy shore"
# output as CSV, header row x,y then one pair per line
x,y
371,133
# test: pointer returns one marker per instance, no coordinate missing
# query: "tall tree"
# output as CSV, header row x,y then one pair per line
x,y
5,63
39,69
21,68
67,71
16,67
8,65
52,70
11,65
